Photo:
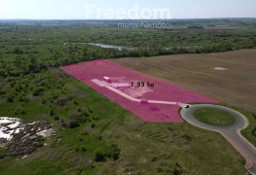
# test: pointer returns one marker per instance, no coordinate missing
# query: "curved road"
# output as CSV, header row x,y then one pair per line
x,y
232,133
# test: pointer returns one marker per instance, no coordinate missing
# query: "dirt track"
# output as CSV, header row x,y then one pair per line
x,y
235,86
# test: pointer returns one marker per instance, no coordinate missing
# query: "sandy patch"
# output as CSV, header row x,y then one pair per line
x,y
220,68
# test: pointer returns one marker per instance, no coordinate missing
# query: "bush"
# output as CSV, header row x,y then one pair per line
x,y
38,92
23,112
56,118
82,149
61,102
52,113
115,152
2,73
10,99
72,124
98,155
75,102
63,123
93,125
177,170
44,101
17,50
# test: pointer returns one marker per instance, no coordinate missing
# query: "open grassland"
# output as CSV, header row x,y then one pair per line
x,y
214,117
235,86
88,123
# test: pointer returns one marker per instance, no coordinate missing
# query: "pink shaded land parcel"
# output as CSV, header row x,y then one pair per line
x,y
121,78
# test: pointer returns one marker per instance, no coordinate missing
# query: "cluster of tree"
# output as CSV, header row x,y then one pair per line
x,y
29,49
101,155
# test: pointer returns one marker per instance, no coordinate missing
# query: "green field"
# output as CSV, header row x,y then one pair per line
x,y
95,136
140,148
214,117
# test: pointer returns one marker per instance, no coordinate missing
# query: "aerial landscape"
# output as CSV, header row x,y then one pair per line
x,y
127,88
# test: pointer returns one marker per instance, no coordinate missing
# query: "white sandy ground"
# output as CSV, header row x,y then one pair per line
x,y
220,68
46,133
10,126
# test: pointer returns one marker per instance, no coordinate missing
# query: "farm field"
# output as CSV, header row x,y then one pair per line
x,y
234,85
137,92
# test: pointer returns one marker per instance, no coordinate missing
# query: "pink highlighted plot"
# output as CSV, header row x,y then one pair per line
x,y
149,98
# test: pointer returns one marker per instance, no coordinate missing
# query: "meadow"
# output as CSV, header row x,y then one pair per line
x,y
97,136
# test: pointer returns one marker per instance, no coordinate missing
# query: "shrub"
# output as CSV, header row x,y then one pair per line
x,y
77,149
115,152
63,123
23,112
52,113
82,148
56,118
61,102
38,92
72,124
93,125
44,101
21,99
177,169
98,155
10,99
75,102
17,50
2,73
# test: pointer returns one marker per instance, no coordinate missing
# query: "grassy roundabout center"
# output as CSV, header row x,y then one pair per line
x,y
214,117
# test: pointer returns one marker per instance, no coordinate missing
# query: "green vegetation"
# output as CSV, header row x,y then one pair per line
x,y
107,139
214,117
31,46
248,133
95,135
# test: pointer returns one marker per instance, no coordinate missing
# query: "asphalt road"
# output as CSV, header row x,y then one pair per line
x,y
232,133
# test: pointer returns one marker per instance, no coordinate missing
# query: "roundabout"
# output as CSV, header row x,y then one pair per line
x,y
232,132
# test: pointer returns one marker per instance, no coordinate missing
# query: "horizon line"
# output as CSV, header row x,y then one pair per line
x,y
81,19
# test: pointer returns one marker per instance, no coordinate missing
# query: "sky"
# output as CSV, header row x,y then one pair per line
x,y
125,9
